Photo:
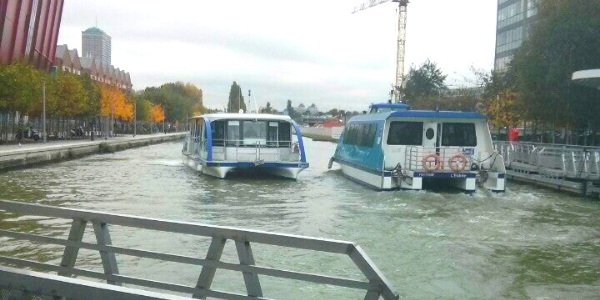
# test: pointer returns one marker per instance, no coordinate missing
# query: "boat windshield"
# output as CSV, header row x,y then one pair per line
x,y
248,133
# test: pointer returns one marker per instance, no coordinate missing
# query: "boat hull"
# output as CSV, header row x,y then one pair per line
x,y
222,169
385,181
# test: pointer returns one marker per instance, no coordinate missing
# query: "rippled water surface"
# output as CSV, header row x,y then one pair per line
x,y
528,243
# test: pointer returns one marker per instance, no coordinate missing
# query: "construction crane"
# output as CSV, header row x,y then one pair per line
x,y
402,5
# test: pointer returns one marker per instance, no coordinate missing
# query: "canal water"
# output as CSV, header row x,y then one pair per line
x,y
528,243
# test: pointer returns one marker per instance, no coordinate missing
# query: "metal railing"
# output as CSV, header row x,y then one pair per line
x,y
561,161
414,157
375,284
257,151
21,284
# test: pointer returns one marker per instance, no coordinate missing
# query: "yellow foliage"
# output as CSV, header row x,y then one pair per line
x,y
113,100
157,114
502,110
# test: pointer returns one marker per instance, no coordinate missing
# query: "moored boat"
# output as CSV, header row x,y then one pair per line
x,y
220,143
400,148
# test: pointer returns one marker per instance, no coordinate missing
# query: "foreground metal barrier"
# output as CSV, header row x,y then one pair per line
x,y
20,284
376,285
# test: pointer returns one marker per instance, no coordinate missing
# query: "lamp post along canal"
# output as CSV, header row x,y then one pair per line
x,y
134,117
44,110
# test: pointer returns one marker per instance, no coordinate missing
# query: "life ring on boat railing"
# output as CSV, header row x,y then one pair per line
x,y
431,162
458,162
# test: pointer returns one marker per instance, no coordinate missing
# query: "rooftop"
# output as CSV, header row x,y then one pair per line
x,y
232,116
94,30
421,114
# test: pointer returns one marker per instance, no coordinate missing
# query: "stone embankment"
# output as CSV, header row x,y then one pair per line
x,y
32,155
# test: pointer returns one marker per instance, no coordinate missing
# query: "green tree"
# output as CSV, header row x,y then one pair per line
x,y
236,99
423,85
20,87
268,109
68,96
179,101
93,96
143,107
564,39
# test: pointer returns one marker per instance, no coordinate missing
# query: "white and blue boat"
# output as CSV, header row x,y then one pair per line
x,y
394,147
218,144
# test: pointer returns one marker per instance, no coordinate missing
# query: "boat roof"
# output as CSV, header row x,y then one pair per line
x,y
390,105
232,116
429,114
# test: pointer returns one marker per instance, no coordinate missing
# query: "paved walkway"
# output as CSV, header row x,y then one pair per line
x,y
28,147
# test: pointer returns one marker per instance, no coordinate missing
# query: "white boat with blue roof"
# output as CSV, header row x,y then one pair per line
x,y
218,144
394,147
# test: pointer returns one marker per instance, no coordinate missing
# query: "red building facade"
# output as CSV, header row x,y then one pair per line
x,y
29,31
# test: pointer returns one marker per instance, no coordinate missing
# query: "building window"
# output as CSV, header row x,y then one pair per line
x,y
31,28
511,14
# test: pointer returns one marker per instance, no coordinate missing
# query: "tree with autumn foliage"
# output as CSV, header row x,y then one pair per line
x,y
178,100
157,114
114,101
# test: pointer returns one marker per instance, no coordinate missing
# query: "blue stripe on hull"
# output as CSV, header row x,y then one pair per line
x,y
363,168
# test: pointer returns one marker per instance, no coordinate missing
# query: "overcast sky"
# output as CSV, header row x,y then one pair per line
x,y
310,51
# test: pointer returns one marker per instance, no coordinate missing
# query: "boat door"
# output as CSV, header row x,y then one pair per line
x,y
430,134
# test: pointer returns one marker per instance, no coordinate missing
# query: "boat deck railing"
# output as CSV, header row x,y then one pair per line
x,y
374,285
240,150
557,161
414,157
243,150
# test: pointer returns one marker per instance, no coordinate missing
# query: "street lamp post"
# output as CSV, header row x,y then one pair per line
x,y
44,110
134,117
112,115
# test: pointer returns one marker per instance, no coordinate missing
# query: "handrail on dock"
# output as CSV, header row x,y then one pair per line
x,y
551,160
375,285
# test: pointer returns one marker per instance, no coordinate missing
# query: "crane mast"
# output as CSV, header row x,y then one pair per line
x,y
402,17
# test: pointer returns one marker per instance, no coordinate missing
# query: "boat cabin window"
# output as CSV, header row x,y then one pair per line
x,y
406,134
199,126
235,133
360,134
254,132
217,129
376,110
285,134
459,135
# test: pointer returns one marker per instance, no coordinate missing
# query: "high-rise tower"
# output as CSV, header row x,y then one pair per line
x,y
96,44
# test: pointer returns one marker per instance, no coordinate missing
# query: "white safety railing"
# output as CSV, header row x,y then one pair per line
x,y
374,286
414,157
240,150
22,284
560,161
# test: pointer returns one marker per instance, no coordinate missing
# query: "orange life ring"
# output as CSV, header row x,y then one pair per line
x,y
458,162
427,162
